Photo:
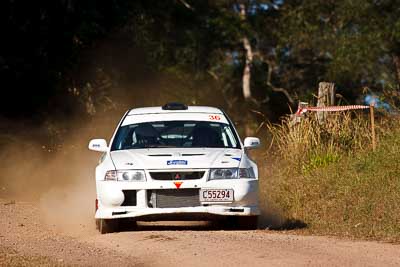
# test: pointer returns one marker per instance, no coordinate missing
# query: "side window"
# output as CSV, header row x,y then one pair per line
x,y
225,139
228,132
125,137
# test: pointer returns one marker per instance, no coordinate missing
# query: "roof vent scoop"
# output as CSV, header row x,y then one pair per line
x,y
175,106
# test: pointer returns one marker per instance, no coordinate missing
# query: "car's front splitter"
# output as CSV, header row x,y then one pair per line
x,y
144,213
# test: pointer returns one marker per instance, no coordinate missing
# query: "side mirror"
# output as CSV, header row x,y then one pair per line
x,y
251,142
98,145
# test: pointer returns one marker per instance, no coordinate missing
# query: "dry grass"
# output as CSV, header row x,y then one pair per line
x,y
313,143
327,176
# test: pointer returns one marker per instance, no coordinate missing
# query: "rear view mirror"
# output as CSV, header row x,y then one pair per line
x,y
251,142
98,145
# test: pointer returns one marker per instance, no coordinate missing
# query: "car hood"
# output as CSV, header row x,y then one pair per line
x,y
176,158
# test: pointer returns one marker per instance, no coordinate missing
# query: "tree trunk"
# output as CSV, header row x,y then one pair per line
x,y
246,78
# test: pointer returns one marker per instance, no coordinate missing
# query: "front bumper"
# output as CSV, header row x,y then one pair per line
x,y
186,213
110,196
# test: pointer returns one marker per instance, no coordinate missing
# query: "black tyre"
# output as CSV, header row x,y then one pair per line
x,y
126,224
108,226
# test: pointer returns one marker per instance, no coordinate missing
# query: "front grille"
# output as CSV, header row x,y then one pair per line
x,y
130,198
174,198
177,175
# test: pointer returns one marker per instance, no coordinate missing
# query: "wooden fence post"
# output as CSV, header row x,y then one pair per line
x,y
372,115
296,118
326,97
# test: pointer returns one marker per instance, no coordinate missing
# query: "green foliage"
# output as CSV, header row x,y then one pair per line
x,y
356,38
44,41
295,44
320,160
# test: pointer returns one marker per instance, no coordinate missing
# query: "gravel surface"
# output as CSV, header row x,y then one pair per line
x,y
27,240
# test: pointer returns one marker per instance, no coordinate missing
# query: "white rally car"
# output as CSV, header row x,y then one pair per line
x,y
176,162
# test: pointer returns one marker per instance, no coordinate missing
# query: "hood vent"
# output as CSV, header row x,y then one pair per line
x,y
160,155
191,155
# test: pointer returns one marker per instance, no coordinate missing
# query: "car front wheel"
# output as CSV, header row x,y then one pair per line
x,y
106,226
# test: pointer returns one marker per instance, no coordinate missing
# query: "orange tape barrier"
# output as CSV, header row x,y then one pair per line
x,y
303,110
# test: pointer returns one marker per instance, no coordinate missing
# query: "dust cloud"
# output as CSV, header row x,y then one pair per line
x,y
60,177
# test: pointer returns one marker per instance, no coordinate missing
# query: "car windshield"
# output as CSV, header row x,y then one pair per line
x,y
175,134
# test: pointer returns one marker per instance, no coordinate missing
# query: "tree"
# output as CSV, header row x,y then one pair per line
x,y
357,40
43,40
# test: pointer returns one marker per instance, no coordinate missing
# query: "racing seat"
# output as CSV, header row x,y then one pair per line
x,y
145,135
204,136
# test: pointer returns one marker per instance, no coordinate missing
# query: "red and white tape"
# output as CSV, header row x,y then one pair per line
x,y
302,110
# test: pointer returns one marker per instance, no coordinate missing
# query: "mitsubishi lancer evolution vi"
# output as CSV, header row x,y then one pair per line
x,y
176,162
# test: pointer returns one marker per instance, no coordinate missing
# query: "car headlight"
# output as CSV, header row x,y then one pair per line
x,y
110,176
126,176
231,173
217,174
246,173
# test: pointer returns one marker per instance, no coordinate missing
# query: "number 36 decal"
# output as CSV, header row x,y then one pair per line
x,y
214,117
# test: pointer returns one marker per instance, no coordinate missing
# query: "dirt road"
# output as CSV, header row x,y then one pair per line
x,y
27,240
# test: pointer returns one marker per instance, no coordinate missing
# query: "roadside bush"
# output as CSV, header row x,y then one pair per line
x,y
327,175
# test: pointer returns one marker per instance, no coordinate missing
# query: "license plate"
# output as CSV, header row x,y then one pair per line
x,y
216,195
